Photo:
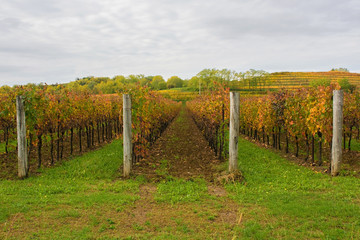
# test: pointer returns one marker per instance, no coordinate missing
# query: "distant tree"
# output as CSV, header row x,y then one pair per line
x,y
174,82
162,85
119,80
207,77
133,79
158,83
145,82
255,79
108,87
150,78
193,83
340,70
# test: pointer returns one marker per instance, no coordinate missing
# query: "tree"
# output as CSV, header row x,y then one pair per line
x,y
162,85
133,79
339,70
174,82
193,83
158,83
145,82
255,78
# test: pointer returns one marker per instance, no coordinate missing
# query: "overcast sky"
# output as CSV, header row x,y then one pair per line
x,y
56,41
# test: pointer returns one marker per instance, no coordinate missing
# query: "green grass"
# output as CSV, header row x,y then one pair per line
x,y
182,191
84,198
295,202
11,145
355,145
163,168
78,187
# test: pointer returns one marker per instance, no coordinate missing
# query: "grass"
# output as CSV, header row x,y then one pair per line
x,y
84,198
77,189
355,145
294,202
11,145
182,191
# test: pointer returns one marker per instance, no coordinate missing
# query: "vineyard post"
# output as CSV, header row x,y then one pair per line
x,y
21,138
336,151
234,130
127,134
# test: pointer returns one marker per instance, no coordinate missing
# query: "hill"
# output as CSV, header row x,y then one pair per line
x,y
303,79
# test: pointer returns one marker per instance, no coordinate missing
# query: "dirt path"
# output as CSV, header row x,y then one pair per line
x,y
181,152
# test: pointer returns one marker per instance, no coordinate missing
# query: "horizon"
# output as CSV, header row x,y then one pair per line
x,y
165,78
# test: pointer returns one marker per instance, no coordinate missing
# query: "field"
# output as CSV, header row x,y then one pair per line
x,y
180,186
178,94
85,198
294,80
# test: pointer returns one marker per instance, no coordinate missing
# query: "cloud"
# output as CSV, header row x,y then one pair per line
x,y
58,41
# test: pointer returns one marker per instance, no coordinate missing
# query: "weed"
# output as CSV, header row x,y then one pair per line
x,y
138,227
180,190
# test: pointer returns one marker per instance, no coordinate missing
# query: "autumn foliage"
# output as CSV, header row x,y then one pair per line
x,y
210,112
282,119
59,117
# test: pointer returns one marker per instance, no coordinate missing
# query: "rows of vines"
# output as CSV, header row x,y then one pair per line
x,y
297,121
211,114
63,122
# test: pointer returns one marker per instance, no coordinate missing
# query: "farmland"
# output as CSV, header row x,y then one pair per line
x,y
179,187
295,80
169,198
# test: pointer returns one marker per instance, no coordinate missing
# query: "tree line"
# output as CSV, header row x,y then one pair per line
x,y
206,79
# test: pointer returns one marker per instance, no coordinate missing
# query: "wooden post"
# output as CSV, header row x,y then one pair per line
x,y
21,138
336,151
234,130
127,134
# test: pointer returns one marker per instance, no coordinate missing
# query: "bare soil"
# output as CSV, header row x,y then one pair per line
x,y
184,151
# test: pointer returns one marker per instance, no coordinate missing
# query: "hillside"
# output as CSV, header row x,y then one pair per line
x,y
290,80
300,79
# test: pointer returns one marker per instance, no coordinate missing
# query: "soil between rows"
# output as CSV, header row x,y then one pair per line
x,y
181,152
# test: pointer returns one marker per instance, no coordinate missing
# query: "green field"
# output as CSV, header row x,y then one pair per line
x,y
85,198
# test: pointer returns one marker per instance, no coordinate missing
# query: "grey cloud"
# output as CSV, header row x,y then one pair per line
x,y
53,41
9,23
284,18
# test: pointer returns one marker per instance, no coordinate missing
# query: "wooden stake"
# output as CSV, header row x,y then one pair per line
x,y
234,130
21,138
336,151
127,134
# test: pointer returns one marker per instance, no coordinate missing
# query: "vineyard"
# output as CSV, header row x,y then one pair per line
x,y
179,187
178,95
299,121
211,114
295,80
61,122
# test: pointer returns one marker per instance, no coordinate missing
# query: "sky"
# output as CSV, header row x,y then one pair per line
x,y
57,41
